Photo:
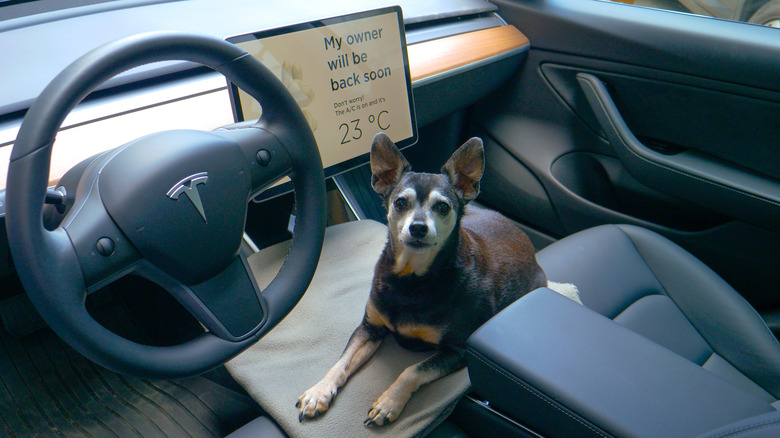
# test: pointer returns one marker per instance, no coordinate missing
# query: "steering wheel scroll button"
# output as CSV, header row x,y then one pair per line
x,y
105,246
263,157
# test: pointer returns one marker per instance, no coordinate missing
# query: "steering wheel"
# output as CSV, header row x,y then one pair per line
x,y
170,207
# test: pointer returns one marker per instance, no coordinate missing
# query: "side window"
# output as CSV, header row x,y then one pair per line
x,y
763,12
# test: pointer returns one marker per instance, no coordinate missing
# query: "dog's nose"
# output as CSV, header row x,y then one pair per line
x,y
418,229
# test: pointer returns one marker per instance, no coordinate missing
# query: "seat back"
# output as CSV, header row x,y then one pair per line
x,y
647,283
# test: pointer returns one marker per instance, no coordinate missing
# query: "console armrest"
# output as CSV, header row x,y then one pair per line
x,y
563,369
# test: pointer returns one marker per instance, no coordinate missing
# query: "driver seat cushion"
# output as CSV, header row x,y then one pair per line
x,y
650,285
298,352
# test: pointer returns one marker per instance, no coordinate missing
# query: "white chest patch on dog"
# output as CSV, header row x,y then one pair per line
x,y
408,262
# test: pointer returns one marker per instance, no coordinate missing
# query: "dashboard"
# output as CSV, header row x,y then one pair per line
x,y
462,45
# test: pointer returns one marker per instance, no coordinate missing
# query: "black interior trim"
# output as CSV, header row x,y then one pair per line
x,y
691,175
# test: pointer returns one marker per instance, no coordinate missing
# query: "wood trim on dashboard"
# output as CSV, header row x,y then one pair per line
x,y
432,57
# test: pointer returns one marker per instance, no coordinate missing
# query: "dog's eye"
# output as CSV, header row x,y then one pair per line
x,y
400,204
443,208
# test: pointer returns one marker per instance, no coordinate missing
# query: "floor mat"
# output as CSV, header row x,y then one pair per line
x,y
47,389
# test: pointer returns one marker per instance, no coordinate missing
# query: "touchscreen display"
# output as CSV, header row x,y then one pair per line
x,y
350,76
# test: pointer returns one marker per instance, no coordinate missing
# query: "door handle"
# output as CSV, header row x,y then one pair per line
x,y
690,174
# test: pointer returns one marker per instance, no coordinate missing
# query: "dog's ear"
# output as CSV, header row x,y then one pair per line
x,y
387,164
465,168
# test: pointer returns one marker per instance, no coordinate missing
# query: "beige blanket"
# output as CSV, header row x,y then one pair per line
x,y
296,354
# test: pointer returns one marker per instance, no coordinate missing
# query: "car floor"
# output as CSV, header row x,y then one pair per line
x,y
47,389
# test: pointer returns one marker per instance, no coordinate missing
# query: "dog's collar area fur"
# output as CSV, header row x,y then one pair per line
x,y
407,262
408,269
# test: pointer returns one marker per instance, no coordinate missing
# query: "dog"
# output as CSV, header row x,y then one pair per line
x,y
446,269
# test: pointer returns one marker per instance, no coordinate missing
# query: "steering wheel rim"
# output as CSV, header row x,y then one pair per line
x,y
46,260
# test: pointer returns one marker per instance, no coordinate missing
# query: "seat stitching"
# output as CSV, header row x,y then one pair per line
x,y
628,306
665,290
748,428
530,390
661,291
701,333
709,347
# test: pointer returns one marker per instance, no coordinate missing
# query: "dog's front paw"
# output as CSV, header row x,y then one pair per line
x,y
316,399
387,407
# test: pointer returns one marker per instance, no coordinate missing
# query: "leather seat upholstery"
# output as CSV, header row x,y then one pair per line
x,y
650,285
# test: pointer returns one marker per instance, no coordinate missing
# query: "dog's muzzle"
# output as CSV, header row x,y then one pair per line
x,y
418,229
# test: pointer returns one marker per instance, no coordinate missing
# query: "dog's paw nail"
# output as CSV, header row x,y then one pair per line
x,y
300,417
298,404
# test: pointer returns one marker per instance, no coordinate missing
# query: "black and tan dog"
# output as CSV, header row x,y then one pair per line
x,y
446,269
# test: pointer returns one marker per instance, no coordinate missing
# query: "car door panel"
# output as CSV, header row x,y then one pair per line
x,y
701,177
624,114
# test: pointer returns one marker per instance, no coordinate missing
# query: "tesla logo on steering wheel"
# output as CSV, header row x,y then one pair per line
x,y
189,186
